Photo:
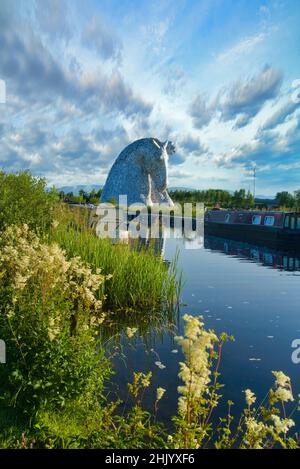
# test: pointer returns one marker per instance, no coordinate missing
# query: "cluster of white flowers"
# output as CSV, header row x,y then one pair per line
x,y
130,332
283,386
282,425
160,393
196,345
25,260
258,432
250,397
255,433
53,328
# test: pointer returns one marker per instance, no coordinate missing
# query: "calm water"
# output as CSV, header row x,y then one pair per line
x,y
252,293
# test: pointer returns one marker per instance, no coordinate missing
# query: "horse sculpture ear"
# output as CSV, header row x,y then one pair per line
x,y
169,147
155,143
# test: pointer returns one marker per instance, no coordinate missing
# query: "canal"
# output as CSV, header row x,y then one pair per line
x,y
250,292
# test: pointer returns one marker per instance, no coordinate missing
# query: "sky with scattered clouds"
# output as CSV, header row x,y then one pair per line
x,y
216,77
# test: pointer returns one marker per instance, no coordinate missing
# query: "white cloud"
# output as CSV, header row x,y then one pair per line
x,y
244,46
98,36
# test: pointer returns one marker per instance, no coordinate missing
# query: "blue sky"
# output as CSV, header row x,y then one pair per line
x,y
216,77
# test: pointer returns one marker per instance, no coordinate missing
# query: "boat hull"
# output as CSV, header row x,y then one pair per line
x,y
269,236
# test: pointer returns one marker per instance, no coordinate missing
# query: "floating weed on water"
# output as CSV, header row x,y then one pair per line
x,y
174,350
160,365
254,359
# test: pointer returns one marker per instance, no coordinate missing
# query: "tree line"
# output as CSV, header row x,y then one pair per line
x,y
288,200
83,197
238,199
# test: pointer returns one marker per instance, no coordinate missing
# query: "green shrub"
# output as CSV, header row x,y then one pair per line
x,y
24,199
49,320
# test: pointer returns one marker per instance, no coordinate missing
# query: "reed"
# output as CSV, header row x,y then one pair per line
x,y
140,279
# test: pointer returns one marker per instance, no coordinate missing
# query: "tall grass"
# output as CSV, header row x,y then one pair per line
x,y
141,280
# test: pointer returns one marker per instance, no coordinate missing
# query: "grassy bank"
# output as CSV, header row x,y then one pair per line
x,y
58,283
138,280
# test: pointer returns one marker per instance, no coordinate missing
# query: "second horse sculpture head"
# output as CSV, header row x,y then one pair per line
x,y
141,173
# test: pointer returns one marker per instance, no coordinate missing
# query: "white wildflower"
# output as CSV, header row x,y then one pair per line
x,y
196,345
284,394
130,331
255,433
250,397
159,393
281,379
283,390
282,425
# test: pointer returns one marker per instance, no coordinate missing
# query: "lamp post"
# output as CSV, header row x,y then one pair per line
x,y
254,180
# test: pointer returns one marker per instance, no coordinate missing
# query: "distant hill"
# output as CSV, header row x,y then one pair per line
x,y
180,188
265,200
75,189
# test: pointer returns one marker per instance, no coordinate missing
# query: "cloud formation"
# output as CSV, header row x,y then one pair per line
x,y
55,24
281,115
245,98
84,80
99,37
201,112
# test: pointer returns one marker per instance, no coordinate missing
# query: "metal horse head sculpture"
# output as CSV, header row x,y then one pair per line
x,y
141,173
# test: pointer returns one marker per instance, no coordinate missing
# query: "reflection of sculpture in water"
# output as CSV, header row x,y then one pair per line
x,y
148,242
141,173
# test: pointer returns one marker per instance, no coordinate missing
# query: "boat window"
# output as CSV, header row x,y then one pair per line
x,y
227,218
256,219
298,223
269,221
292,223
287,221
268,258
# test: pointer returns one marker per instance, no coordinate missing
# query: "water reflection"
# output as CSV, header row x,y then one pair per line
x,y
224,282
263,256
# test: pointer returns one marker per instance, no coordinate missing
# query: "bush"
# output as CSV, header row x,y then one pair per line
x,y
49,318
24,199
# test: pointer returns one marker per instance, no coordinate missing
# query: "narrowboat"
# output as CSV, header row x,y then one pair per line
x,y
275,228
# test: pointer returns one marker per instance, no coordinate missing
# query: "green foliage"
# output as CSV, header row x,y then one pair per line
x,y
23,199
49,318
140,279
287,200
83,197
240,198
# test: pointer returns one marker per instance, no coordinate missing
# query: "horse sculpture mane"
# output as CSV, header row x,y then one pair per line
x,y
140,172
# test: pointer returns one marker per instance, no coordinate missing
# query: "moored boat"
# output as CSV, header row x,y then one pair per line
x,y
265,227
